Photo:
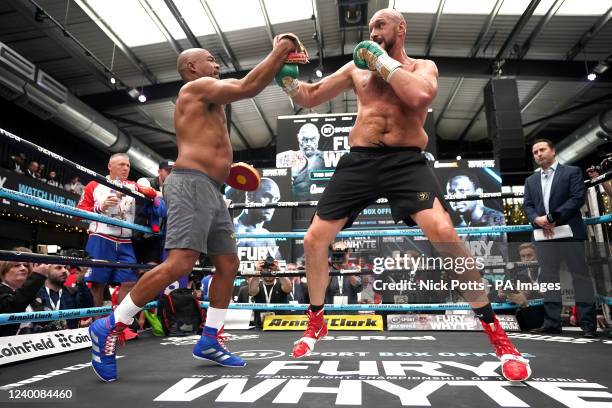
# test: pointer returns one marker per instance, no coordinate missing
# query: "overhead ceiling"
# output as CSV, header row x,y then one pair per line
x,y
550,51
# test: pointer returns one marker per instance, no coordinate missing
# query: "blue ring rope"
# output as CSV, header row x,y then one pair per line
x,y
66,209
413,232
13,318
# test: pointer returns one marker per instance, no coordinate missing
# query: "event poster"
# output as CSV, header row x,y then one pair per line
x,y
274,187
36,188
311,146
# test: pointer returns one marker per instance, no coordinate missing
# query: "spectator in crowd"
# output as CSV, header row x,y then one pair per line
x,y
368,294
528,317
52,179
149,247
16,163
75,274
606,186
74,186
106,241
268,289
18,290
299,291
55,295
553,198
32,170
341,286
163,171
41,173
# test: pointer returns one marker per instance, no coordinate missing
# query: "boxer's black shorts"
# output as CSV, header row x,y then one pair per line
x,y
400,174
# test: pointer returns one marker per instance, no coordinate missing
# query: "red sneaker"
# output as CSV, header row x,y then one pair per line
x,y
514,366
317,329
129,334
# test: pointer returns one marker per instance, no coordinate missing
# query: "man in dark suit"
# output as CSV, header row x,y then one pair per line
x,y
553,197
348,286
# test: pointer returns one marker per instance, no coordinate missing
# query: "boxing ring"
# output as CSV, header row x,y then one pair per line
x,y
377,367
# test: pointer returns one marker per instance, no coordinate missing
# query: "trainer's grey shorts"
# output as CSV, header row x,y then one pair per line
x,y
198,217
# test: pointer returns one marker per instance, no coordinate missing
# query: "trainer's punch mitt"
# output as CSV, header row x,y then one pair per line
x,y
300,55
143,186
243,177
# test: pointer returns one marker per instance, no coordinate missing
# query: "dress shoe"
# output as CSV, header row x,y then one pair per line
x,y
546,330
589,334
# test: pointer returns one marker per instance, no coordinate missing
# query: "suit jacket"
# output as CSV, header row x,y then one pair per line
x,y
567,195
333,289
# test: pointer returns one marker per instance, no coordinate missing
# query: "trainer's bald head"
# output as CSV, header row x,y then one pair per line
x,y
187,61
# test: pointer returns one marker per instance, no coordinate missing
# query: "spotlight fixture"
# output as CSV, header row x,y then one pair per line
x,y
458,158
113,80
601,67
592,76
142,98
134,93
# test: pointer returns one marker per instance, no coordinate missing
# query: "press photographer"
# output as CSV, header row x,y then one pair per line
x,y
268,289
342,289
602,168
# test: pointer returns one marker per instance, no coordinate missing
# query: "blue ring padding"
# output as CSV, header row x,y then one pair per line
x,y
414,232
66,209
12,318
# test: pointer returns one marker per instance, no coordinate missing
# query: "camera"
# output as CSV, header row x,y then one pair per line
x,y
605,165
74,253
268,264
338,255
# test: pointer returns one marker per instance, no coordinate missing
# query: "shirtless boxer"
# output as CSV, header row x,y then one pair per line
x,y
198,218
385,160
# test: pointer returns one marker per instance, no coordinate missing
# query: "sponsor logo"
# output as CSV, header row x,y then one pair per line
x,y
438,164
404,382
259,354
475,164
274,172
50,153
423,196
379,338
64,342
339,322
327,130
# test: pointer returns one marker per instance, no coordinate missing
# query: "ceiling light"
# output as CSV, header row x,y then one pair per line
x,y
134,93
142,98
319,73
113,80
601,67
592,76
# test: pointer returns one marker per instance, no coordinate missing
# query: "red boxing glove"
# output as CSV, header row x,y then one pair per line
x,y
299,55
147,191
243,177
